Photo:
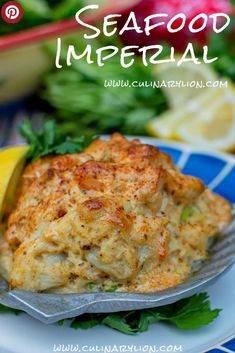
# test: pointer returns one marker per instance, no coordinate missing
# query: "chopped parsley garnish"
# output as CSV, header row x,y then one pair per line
x,y
187,212
113,288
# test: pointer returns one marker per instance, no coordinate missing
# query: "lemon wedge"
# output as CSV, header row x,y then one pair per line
x,y
166,125
214,127
207,120
187,73
12,162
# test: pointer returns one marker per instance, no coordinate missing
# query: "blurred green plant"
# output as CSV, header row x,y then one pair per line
x,y
37,12
66,8
82,103
222,46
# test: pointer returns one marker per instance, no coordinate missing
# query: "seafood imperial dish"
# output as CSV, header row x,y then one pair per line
x,y
118,217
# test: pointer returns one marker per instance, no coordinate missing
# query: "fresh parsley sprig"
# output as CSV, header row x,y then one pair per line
x,y
50,141
187,314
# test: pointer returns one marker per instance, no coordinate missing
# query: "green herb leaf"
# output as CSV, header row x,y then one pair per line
x,y
186,314
91,286
49,132
193,313
147,318
67,147
27,132
85,322
118,322
51,141
113,288
7,310
187,212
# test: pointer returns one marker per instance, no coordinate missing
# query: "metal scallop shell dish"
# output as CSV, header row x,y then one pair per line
x,y
218,172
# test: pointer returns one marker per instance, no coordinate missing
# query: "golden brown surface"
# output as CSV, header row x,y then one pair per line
x,y
111,216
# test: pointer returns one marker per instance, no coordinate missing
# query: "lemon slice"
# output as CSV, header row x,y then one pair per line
x,y
166,125
12,162
213,128
187,73
208,121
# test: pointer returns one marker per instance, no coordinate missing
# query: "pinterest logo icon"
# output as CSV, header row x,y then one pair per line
x,y
12,12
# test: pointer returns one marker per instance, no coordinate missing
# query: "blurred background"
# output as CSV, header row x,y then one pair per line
x,y
31,86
